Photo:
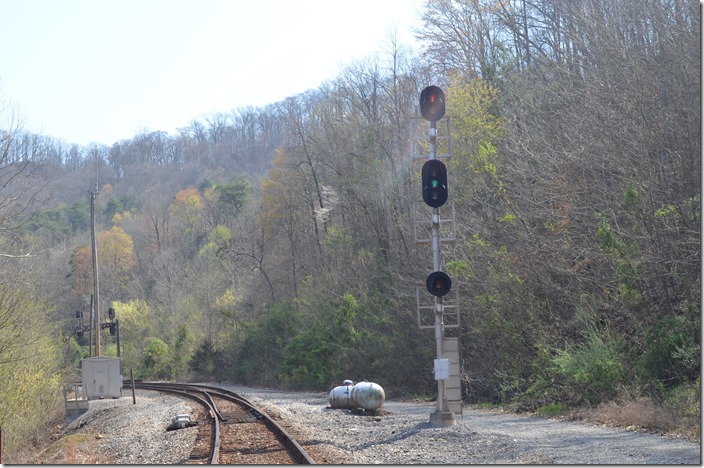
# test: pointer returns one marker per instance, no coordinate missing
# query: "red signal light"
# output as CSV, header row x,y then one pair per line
x,y
432,103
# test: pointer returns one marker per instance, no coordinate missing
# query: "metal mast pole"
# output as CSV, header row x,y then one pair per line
x,y
117,325
439,308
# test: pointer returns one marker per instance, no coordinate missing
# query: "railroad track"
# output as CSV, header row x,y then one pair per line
x,y
236,432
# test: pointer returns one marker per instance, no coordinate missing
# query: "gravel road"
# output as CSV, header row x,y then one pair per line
x,y
404,435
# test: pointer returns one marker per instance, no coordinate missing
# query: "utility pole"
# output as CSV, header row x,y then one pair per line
x,y
91,328
94,244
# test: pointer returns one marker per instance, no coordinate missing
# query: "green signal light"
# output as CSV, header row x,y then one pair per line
x,y
434,183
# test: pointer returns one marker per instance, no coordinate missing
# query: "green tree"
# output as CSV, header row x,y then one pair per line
x,y
79,216
137,324
182,351
204,361
30,366
156,359
264,347
228,200
319,355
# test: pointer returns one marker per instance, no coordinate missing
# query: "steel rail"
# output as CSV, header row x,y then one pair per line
x,y
289,441
294,447
207,403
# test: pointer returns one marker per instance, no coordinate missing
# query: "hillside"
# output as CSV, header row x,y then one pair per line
x,y
275,246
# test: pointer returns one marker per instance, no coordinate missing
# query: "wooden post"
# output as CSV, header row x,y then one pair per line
x,y
134,400
65,401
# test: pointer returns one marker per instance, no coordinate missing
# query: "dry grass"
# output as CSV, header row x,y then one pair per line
x,y
52,446
645,414
70,449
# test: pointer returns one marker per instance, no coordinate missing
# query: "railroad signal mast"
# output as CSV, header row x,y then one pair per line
x,y
113,326
438,283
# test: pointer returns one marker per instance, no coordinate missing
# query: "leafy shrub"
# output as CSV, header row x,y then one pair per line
x,y
685,399
264,346
552,410
672,352
594,369
590,372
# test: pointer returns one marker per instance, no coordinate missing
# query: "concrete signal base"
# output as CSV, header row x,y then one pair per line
x,y
443,418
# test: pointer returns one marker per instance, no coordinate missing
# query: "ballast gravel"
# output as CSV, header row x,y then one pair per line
x,y
135,434
132,434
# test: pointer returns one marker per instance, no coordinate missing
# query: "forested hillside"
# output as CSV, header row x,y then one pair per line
x,y
275,246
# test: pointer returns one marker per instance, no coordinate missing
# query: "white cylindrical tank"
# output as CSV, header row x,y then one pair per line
x,y
341,397
368,395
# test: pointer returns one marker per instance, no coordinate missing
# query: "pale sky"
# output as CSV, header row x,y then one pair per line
x,y
104,70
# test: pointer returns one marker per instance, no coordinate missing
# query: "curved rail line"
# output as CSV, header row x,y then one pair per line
x,y
206,401
203,394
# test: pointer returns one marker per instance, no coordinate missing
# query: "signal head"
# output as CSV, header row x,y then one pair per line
x,y
434,181
432,103
438,283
